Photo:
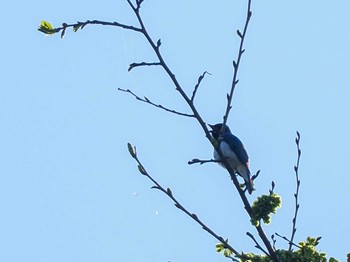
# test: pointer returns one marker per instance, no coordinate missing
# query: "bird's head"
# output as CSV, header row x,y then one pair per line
x,y
216,129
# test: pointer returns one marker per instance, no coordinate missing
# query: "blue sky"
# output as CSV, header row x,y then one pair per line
x,y
69,190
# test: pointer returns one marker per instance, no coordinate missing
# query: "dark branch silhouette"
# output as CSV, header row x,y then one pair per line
x,y
289,241
133,65
201,162
296,195
236,64
200,78
80,25
257,245
146,100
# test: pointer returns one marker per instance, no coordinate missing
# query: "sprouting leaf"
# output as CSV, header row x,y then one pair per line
x,y
227,252
46,28
132,150
219,247
46,25
141,170
76,27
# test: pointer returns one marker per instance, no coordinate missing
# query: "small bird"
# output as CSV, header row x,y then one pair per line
x,y
233,149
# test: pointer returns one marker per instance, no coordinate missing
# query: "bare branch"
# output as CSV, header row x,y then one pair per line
x,y
200,78
80,25
257,245
159,43
146,100
170,194
155,46
133,65
289,241
296,195
237,63
199,161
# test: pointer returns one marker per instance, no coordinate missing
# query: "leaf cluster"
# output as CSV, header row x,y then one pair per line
x,y
306,252
263,206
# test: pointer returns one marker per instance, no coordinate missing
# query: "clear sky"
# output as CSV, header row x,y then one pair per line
x,y
69,190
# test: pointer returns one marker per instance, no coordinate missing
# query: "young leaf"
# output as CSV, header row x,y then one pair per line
x,y
132,150
46,28
141,170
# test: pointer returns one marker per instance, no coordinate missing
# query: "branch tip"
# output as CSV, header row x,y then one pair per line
x,y
200,78
146,100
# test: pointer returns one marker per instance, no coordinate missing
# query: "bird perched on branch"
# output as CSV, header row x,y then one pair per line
x,y
233,150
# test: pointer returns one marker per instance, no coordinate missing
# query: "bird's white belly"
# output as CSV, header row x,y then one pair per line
x,y
229,155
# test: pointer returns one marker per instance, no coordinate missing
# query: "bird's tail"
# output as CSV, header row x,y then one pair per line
x,y
245,173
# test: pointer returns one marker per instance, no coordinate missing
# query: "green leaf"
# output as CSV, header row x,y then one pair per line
x,y
227,252
46,28
219,247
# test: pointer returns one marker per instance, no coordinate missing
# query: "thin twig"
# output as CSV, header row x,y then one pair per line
x,y
256,175
236,64
200,78
296,195
257,245
286,239
201,162
133,65
169,193
146,100
81,25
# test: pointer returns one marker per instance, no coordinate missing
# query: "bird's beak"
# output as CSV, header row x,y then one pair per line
x,y
211,126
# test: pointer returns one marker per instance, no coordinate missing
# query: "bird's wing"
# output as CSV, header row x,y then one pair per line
x,y
237,146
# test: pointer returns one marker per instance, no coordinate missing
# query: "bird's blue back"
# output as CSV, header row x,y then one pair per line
x,y
236,146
